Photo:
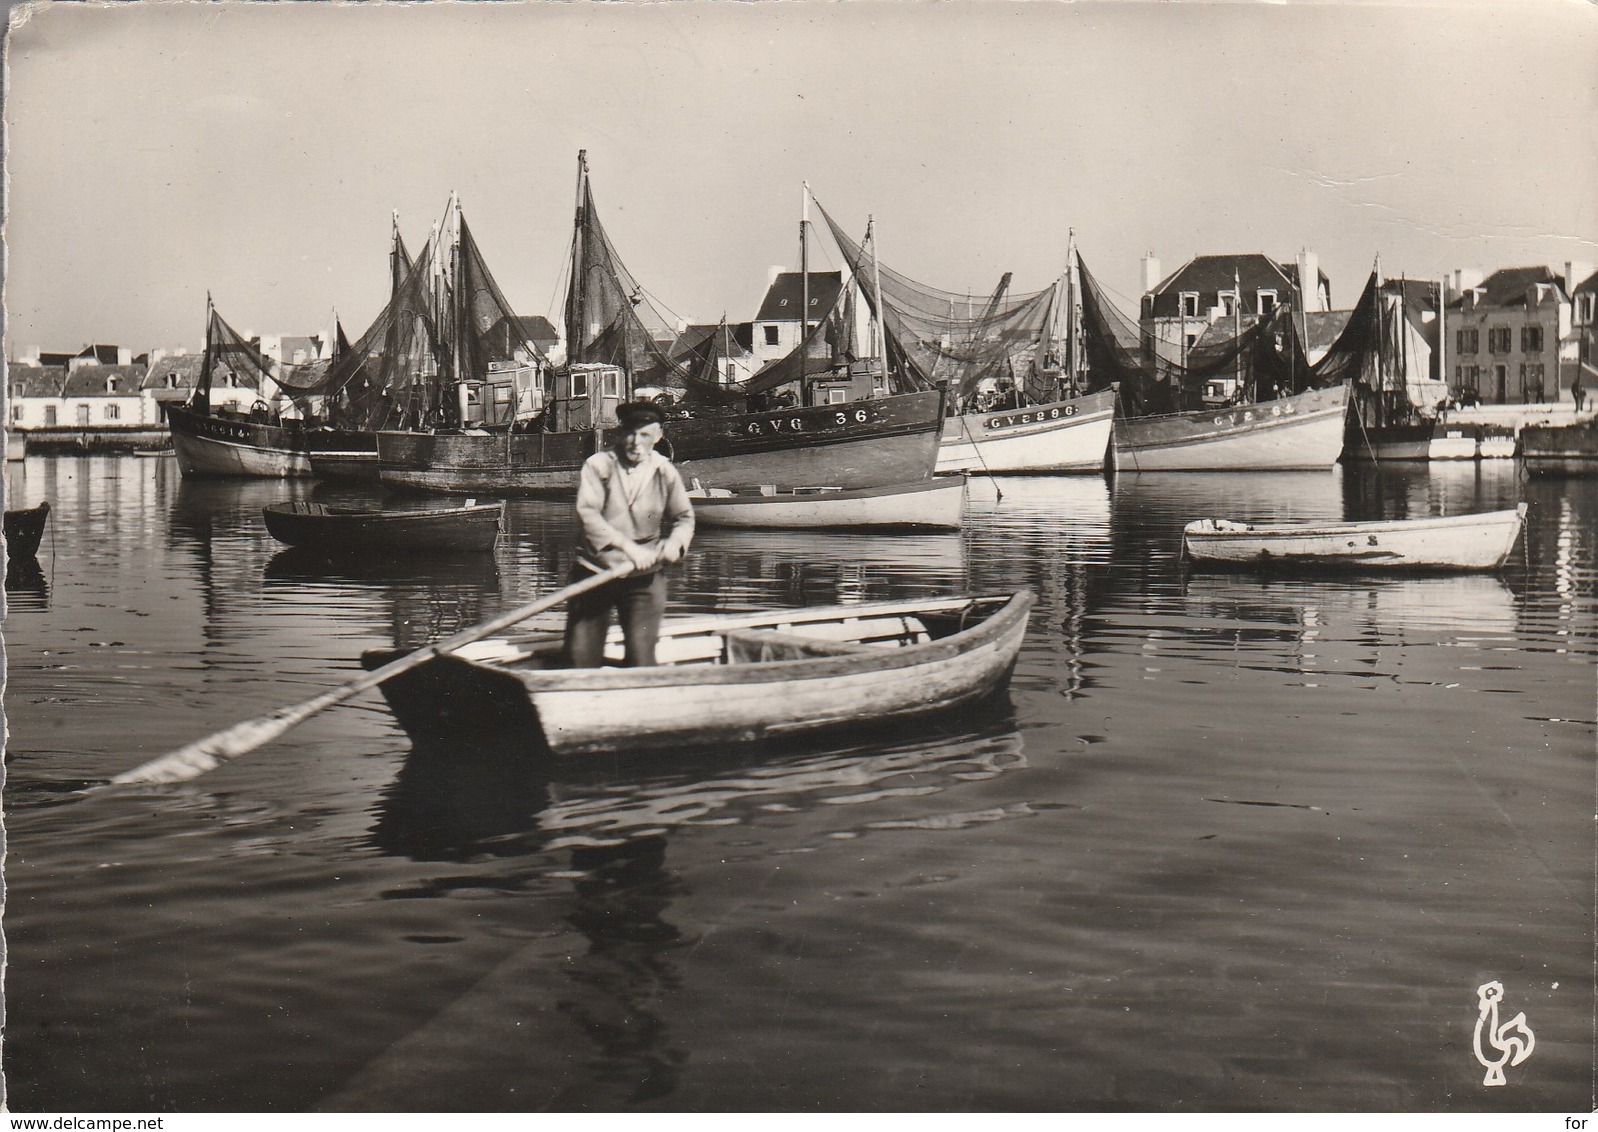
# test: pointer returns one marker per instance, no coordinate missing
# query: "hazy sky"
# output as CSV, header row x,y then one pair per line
x,y
160,150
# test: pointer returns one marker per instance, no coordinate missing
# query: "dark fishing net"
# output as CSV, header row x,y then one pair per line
x,y
1263,356
825,348
487,332
954,340
234,360
611,320
391,377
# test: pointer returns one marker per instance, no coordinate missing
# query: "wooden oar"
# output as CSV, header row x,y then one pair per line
x,y
214,750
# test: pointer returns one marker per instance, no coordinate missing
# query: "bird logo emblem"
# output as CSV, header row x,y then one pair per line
x,y
1509,1042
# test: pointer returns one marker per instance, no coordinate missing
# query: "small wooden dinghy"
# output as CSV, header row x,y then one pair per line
x,y
923,505
338,529
1454,542
725,679
24,529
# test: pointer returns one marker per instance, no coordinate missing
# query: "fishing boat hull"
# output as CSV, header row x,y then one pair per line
x,y
852,445
1071,436
1454,542
345,455
925,505
333,529
208,445
1560,450
1292,433
780,674
1423,440
24,530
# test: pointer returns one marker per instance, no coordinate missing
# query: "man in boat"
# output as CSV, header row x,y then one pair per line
x,y
635,513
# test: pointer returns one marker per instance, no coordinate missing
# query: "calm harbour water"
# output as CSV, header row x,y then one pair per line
x,y
1232,843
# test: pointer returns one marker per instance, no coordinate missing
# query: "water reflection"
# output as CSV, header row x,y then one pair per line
x,y
26,589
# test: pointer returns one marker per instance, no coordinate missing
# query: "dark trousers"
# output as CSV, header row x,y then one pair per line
x,y
638,603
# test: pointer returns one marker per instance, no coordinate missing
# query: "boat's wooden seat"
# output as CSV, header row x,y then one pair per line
x,y
754,646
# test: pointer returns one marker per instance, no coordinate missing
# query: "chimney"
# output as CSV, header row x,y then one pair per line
x,y
1151,272
1309,281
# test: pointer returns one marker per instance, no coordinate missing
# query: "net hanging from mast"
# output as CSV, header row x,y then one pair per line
x,y
239,362
957,340
1264,356
611,320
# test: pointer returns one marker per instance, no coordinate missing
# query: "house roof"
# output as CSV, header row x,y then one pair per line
x,y
1418,293
1209,274
54,358
1588,284
289,344
105,355
1508,286
786,293
186,366
85,381
34,381
693,339
534,328
1321,329
91,381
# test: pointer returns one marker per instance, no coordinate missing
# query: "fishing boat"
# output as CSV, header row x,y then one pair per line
x,y
1560,450
1069,436
1006,346
1238,398
615,335
1286,434
725,679
923,505
1453,542
223,442
24,529
853,445
343,529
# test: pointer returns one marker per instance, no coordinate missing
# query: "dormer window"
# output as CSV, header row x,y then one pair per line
x,y
1190,302
1267,301
1228,302
111,384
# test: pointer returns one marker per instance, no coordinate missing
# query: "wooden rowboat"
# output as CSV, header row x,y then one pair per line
x,y
1453,542
24,529
725,679
925,505
331,528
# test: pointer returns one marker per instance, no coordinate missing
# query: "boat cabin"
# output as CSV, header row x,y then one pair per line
x,y
585,397
509,392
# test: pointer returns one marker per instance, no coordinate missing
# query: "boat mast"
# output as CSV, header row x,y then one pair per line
x,y
1237,325
454,283
577,286
804,292
1442,331
1069,315
876,285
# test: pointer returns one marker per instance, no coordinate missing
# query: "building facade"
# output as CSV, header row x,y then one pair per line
x,y
1504,339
